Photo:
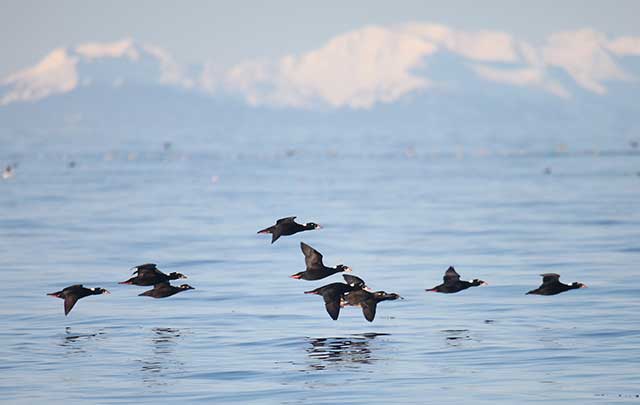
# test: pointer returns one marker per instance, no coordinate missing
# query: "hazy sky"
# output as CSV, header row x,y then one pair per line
x,y
230,31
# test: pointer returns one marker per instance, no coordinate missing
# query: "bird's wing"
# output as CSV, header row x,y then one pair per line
x,y
283,220
369,309
550,278
332,304
151,272
144,267
312,257
147,276
69,302
451,275
275,235
354,281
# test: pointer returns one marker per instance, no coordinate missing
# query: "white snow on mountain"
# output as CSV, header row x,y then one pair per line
x,y
64,69
357,69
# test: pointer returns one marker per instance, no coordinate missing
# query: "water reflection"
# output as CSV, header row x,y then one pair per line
x,y
75,343
456,337
351,351
162,359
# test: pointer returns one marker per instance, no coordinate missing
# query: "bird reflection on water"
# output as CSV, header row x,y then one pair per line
x,y
75,343
162,359
457,337
351,351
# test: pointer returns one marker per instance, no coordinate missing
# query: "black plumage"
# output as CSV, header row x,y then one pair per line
x,y
551,285
148,274
453,284
73,293
368,301
163,290
316,270
287,226
333,293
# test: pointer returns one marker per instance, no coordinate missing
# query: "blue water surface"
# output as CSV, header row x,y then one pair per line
x,y
399,212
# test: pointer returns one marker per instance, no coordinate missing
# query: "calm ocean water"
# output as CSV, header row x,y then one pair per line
x,y
398,214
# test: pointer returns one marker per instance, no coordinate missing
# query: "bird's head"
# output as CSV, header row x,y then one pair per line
x,y
342,267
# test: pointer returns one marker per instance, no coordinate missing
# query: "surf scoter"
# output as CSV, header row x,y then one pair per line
x,y
315,269
333,293
287,226
73,293
453,284
551,285
148,274
8,172
163,290
368,301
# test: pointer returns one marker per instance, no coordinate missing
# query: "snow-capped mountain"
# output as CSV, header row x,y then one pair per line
x,y
406,73
357,70
115,64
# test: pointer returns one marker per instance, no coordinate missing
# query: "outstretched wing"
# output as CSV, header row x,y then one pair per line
x,y
283,220
550,278
354,281
332,304
150,276
312,257
72,288
369,309
144,267
451,276
69,302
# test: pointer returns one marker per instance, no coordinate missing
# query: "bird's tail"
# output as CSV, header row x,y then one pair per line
x,y
267,230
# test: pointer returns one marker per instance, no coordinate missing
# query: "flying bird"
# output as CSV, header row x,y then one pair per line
x,y
163,290
368,301
148,274
287,226
551,285
453,284
316,270
73,293
333,294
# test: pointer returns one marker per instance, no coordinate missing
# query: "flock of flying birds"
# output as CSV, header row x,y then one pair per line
x,y
335,295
